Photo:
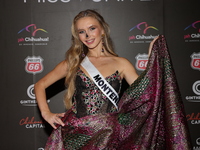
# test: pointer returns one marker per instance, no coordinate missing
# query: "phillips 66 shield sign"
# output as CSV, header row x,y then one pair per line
x,y
195,61
34,64
142,60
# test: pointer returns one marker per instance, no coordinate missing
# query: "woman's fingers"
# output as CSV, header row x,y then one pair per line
x,y
54,119
58,119
151,45
60,115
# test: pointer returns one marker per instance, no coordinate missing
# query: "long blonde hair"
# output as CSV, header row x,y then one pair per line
x,y
74,55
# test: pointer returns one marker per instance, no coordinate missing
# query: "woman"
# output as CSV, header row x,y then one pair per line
x,y
90,36
94,120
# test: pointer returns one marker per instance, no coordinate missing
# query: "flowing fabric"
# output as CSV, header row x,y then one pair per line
x,y
150,117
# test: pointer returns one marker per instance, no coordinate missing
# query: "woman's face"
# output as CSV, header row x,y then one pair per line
x,y
90,32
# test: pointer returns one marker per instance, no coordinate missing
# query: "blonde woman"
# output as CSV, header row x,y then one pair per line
x,y
91,38
96,117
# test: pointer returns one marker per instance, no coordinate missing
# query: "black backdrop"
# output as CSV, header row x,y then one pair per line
x,y
35,34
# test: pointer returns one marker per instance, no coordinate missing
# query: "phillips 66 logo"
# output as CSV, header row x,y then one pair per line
x,y
34,64
195,61
142,60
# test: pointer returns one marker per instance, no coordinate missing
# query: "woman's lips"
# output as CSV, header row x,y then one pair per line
x,y
90,41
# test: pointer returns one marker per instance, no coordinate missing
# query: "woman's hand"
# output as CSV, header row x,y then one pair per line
x,y
151,45
53,119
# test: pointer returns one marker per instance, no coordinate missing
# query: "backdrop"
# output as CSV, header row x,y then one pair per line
x,y
35,34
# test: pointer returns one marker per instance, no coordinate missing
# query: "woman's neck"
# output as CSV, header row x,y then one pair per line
x,y
96,53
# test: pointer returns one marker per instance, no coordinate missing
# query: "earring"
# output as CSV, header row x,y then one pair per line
x,y
83,54
102,36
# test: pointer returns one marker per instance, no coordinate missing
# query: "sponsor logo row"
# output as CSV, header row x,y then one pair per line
x,y
34,63
142,60
139,33
144,33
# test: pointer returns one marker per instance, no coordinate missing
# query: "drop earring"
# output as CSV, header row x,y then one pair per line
x,y
83,54
102,38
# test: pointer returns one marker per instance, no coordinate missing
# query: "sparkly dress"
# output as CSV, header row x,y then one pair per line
x,y
150,116
88,98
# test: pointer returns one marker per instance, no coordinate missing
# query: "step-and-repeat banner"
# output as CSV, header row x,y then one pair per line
x,y
35,34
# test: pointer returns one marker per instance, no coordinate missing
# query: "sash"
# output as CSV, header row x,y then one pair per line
x,y
100,81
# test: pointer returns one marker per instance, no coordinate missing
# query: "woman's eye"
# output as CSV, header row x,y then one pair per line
x,y
81,32
92,28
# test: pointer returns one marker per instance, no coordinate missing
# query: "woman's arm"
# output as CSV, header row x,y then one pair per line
x,y
129,72
57,73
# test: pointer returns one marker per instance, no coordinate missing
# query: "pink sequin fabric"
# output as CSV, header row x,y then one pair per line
x,y
150,117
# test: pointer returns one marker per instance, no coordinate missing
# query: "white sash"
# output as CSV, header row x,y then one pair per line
x,y
100,81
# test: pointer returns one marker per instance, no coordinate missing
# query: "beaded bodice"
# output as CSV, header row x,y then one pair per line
x,y
88,98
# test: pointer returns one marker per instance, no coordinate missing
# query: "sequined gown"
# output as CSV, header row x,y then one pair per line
x,y
88,98
150,116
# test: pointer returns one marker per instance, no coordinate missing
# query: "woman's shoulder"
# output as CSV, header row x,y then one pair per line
x,y
122,63
122,60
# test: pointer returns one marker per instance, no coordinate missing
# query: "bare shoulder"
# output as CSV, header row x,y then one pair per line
x,y
59,70
62,65
122,61
126,69
123,64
